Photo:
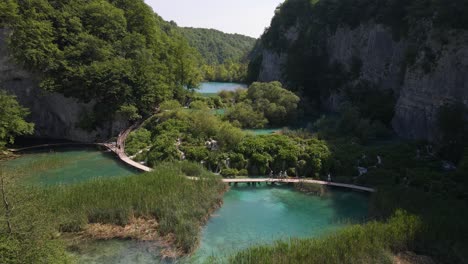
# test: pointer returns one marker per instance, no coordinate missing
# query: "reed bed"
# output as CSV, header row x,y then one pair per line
x,y
373,242
179,205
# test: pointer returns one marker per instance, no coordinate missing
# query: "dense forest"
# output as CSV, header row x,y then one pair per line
x,y
118,54
225,56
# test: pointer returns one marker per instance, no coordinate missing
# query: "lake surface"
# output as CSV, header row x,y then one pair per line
x,y
250,215
68,166
212,88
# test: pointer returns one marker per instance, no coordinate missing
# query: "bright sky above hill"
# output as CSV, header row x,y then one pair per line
x,y
247,17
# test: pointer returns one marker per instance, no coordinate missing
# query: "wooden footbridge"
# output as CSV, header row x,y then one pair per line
x,y
119,149
254,181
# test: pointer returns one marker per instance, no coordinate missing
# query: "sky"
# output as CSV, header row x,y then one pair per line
x,y
246,17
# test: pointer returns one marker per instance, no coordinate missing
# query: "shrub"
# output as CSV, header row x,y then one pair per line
x,y
229,173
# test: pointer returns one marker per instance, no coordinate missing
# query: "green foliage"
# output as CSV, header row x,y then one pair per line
x,y
180,205
227,72
229,173
225,55
277,104
12,121
453,127
27,226
137,140
369,243
262,103
117,53
245,116
350,123
8,11
217,47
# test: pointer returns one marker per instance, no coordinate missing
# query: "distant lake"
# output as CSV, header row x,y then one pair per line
x,y
210,88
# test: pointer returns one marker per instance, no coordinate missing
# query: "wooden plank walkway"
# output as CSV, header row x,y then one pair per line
x,y
119,149
273,180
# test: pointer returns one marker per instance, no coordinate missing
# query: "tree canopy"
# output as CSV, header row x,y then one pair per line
x,y
117,53
225,56
12,121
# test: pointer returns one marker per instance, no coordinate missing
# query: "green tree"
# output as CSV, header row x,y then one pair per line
x,y
12,121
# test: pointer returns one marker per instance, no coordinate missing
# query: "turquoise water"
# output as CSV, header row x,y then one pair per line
x,y
259,132
209,88
250,216
258,215
74,165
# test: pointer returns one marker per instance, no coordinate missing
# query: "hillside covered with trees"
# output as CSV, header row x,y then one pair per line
x,y
117,53
225,55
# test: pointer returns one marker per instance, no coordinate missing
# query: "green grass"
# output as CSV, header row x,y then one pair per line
x,y
370,243
179,205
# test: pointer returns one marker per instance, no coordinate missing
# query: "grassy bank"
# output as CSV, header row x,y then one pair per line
x,y
179,205
373,242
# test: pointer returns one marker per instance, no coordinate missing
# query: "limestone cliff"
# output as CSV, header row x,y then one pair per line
x,y
54,115
438,73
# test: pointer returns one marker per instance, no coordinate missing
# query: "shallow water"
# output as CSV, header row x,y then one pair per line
x,y
249,216
211,88
74,165
266,131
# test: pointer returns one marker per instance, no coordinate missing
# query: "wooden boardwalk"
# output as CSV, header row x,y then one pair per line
x,y
119,149
292,180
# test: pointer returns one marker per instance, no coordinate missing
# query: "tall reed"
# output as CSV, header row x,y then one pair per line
x,y
369,243
179,205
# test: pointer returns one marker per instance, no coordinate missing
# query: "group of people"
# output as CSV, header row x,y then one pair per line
x,y
281,175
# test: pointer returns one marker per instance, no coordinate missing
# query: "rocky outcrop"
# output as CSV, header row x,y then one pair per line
x,y
54,115
438,74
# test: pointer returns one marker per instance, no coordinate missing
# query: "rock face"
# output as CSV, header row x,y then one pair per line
x,y
438,75
54,115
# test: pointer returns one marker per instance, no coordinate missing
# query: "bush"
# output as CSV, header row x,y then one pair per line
x,y
229,173
243,172
191,169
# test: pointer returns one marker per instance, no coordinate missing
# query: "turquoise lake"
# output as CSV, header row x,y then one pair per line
x,y
211,88
250,215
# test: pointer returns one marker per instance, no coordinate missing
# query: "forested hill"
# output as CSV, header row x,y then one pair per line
x,y
405,56
218,47
117,55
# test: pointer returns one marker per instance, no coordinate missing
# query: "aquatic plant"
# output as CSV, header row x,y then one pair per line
x,y
370,243
179,205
